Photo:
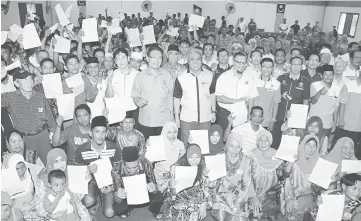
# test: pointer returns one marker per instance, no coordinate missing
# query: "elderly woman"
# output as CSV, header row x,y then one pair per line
x,y
174,149
28,174
15,144
234,195
57,160
267,175
299,197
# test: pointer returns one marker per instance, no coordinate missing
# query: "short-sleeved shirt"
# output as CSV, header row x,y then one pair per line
x,y
122,86
350,96
28,115
269,95
195,94
158,90
73,138
283,27
249,136
326,104
85,154
232,86
298,89
220,71
351,73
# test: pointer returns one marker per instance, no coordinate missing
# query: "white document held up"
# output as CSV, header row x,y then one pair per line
x,y
11,183
331,208
54,27
299,116
216,165
136,188
351,166
239,112
134,37
322,173
30,37
76,179
76,83
156,151
62,45
68,11
184,177
90,29
63,19
148,35
103,175
4,36
196,20
15,32
172,32
14,65
288,148
52,85
116,109
200,137
66,103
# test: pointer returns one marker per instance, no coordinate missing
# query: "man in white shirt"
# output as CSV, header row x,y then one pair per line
x,y
283,26
351,47
242,24
234,86
352,70
339,81
249,130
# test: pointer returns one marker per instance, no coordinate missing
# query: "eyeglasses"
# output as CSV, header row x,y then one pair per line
x,y
156,58
240,63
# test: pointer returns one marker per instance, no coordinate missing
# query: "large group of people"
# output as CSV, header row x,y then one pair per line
x,y
192,81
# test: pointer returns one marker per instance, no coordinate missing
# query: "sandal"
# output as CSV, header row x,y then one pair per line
x,y
126,215
158,216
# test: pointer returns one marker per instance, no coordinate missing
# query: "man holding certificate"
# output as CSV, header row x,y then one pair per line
x,y
133,165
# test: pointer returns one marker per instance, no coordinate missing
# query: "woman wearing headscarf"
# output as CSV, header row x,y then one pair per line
x,y
15,144
216,144
8,212
253,43
189,204
174,149
234,195
27,174
57,160
299,197
267,175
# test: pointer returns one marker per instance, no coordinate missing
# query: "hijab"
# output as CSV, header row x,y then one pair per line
x,y
306,162
335,155
253,43
215,148
312,120
183,161
265,158
50,159
171,148
234,137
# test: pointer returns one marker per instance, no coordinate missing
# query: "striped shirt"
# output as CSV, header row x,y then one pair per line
x,y
85,153
249,136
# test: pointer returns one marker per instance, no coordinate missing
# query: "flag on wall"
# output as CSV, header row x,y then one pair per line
x,y
280,13
82,8
197,10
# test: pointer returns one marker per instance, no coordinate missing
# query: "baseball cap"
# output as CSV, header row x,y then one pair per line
x,y
325,50
237,45
20,74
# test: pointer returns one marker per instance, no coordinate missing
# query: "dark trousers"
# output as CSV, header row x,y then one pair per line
x,y
150,131
156,201
355,136
277,134
222,115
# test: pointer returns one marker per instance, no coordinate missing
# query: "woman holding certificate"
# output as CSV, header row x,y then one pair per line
x,y
299,197
56,160
234,196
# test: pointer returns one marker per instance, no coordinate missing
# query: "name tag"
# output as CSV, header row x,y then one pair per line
x,y
40,110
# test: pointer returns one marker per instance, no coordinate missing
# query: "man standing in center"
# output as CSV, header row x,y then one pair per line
x,y
194,90
152,92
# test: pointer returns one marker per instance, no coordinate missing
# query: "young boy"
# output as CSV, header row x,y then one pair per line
x,y
58,200
7,212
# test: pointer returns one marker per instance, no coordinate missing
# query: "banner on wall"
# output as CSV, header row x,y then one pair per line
x,y
197,10
280,13
82,8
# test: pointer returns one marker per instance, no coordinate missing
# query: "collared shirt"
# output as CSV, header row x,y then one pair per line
x,y
243,26
351,72
346,57
175,70
85,153
350,96
249,136
8,86
326,104
28,115
220,71
232,86
269,96
211,62
315,78
123,139
122,86
250,70
278,72
339,85
195,94
298,89
158,90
